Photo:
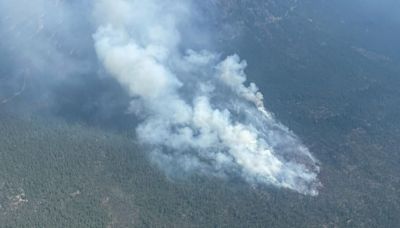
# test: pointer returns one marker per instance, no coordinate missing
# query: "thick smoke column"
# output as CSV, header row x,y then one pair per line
x,y
198,113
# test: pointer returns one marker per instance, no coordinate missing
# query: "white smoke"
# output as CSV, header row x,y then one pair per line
x,y
199,116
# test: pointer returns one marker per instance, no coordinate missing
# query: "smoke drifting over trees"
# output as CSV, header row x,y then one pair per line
x,y
199,116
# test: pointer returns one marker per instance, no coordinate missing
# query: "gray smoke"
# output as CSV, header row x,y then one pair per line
x,y
199,113
43,44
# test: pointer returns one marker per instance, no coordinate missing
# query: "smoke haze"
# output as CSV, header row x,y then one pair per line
x,y
198,112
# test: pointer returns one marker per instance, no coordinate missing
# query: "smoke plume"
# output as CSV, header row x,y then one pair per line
x,y
198,112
